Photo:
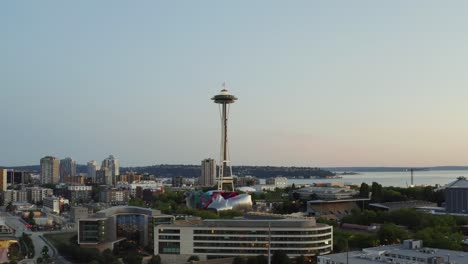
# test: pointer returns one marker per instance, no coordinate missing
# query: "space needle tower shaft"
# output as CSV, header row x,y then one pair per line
x,y
224,98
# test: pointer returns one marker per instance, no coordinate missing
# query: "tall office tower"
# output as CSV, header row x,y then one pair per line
x,y
224,99
112,164
50,169
104,176
3,179
18,177
92,167
67,168
208,173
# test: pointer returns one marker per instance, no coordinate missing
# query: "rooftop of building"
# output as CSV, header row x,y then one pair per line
x,y
116,210
461,182
347,200
254,221
403,204
37,188
217,261
365,256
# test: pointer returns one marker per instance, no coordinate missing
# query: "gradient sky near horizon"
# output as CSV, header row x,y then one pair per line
x,y
320,83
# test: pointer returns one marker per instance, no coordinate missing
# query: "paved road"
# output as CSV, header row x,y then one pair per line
x,y
39,242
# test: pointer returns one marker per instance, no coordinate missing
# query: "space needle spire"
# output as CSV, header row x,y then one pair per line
x,y
224,99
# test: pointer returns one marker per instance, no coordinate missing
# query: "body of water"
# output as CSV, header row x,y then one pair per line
x,y
400,179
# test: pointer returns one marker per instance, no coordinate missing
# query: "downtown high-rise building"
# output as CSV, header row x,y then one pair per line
x,y
104,176
67,168
3,180
208,173
112,164
92,167
50,169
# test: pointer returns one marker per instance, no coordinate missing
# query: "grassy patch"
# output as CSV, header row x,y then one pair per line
x,y
59,238
67,246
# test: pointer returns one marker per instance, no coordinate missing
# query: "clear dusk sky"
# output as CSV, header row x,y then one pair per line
x,y
320,83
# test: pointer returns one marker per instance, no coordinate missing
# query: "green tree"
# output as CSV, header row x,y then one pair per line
x,y
30,216
301,260
13,252
132,259
364,190
391,234
340,243
262,259
439,197
45,252
193,258
390,195
280,257
440,237
205,214
155,260
377,192
10,207
135,201
252,260
296,196
239,260
331,222
48,185
108,257
230,214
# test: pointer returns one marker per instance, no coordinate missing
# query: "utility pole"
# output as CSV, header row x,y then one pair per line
x,y
269,243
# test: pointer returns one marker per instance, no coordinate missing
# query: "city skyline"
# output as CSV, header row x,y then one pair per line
x,y
321,84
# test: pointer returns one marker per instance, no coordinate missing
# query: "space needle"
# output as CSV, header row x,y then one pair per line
x,y
224,99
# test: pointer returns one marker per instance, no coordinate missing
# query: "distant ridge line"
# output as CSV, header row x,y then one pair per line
x,y
82,168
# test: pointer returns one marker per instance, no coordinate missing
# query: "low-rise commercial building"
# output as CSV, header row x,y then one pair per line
x,y
129,177
115,196
333,209
112,225
77,213
21,207
326,193
250,236
14,196
410,252
77,179
54,204
37,194
79,193
248,180
177,181
393,206
142,185
456,196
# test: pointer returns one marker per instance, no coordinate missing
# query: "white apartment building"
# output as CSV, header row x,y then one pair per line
x,y
278,182
52,204
154,185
